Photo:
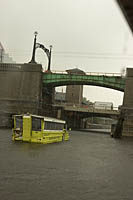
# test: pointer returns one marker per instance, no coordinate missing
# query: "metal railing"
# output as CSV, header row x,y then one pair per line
x,y
87,107
88,73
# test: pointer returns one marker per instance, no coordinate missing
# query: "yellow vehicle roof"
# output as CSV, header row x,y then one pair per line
x,y
49,119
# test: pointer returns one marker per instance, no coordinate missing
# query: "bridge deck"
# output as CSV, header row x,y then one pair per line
x,y
108,81
90,111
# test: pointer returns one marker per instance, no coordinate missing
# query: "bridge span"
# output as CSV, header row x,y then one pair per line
x,y
108,80
74,115
91,111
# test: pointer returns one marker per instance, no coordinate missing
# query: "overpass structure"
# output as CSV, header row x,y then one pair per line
x,y
108,80
91,111
74,115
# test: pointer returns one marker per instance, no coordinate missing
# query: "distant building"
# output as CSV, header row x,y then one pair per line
x,y
4,57
74,93
103,105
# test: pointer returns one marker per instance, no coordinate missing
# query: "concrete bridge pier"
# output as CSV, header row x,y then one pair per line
x,y
127,107
20,90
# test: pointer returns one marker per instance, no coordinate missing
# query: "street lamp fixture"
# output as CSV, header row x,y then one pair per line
x,y
34,49
47,51
49,57
35,33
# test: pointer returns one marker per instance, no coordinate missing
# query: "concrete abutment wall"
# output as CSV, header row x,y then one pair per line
x,y
20,90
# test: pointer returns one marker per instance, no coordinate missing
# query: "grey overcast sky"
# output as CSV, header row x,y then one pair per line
x,y
91,35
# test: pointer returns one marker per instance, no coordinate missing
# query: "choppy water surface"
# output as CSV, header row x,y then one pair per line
x,y
88,167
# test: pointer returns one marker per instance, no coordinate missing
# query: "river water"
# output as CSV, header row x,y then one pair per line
x,y
91,166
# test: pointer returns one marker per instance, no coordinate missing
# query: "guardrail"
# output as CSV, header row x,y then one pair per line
x,y
87,107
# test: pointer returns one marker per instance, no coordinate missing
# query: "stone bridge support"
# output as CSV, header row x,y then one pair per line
x,y
127,108
20,90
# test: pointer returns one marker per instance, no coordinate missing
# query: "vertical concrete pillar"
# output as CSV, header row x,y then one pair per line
x,y
127,108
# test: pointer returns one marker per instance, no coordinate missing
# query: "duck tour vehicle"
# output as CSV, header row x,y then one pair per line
x,y
39,129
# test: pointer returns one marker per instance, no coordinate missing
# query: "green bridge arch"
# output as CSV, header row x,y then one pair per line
x,y
109,81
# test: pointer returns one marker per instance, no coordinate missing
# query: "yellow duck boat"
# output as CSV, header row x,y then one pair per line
x,y
39,129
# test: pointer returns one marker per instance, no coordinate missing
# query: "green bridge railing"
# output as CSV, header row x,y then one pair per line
x,y
113,81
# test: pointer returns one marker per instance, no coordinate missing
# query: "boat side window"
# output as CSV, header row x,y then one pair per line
x,y
36,124
53,126
45,125
59,126
19,122
48,125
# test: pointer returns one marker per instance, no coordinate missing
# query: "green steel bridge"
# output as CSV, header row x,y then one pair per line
x,y
108,80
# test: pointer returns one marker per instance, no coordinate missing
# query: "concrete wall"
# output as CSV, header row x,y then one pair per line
x,y
20,81
127,108
20,88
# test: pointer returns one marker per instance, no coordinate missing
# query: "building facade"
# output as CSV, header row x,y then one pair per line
x,y
4,57
74,93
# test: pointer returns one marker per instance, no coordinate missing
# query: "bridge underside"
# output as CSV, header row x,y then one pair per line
x,y
75,115
127,9
75,119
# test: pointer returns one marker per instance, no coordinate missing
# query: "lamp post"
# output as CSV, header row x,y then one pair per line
x,y
34,49
47,51
49,58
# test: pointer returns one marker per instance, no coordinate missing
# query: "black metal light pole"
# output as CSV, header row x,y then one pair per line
x,y
47,51
49,58
34,49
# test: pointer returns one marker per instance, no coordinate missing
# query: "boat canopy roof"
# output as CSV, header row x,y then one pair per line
x,y
47,119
